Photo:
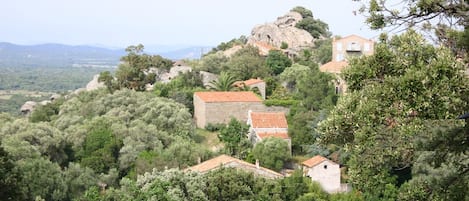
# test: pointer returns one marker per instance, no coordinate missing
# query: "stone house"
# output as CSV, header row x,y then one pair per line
x,y
230,162
219,107
342,50
263,125
351,46
253,84
325,172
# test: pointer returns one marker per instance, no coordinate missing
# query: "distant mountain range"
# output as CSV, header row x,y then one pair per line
x,y
60,55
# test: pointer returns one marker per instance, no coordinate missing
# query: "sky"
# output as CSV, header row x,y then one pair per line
x,y
120,23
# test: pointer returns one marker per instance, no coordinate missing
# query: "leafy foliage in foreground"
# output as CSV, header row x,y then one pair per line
x,y
222,184
99,136
394,95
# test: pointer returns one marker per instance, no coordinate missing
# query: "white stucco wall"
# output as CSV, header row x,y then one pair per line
x,y
328,178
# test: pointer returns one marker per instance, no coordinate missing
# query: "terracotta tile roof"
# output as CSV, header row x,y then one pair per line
x,y
333,66
247,82
222,160
253,81
212,163
268,120
282,135
228,96
315,161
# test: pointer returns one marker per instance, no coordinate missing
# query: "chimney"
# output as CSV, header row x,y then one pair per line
x,y
257,163
199,160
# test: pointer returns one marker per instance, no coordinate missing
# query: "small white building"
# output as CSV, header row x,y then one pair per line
x,y
325,172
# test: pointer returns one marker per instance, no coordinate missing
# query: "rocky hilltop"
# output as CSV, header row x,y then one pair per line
x,y
283,30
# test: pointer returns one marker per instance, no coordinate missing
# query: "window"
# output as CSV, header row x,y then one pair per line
x,y
353,47
325,166
339,46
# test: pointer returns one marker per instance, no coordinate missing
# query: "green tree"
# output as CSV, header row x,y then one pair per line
x,y
227,45
101,147
277,61
315,27
9,178
134,72
185,153
229,184
322,53
310,86
303,11
246,63
225,82
40,178
272,153
181,88
171,184
448,19
296,186
233,136
381,13
46,112
108,80
213,63
406,83
314,92
5,118
78,179
22,139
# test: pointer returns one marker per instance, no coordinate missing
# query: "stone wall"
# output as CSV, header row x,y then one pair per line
x,y
221,112
261,87
199,112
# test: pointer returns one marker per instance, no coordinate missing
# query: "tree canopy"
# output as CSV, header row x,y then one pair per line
x,y
448,19
136,70
315,27
405,85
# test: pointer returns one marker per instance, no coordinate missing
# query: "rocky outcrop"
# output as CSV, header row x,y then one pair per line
x,y
173,72
28,107
283,30
208,77
94,84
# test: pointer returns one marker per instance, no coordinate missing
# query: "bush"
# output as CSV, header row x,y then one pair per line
x,y
214,127
284,45
276,102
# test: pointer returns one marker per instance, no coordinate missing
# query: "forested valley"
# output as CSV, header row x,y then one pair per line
x,y
395,131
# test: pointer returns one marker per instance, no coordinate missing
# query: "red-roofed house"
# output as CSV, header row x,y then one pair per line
x,y
263,125
323,171
230,162
253,83
218,107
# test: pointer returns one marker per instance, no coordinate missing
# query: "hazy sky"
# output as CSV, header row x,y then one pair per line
x,y
120,23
